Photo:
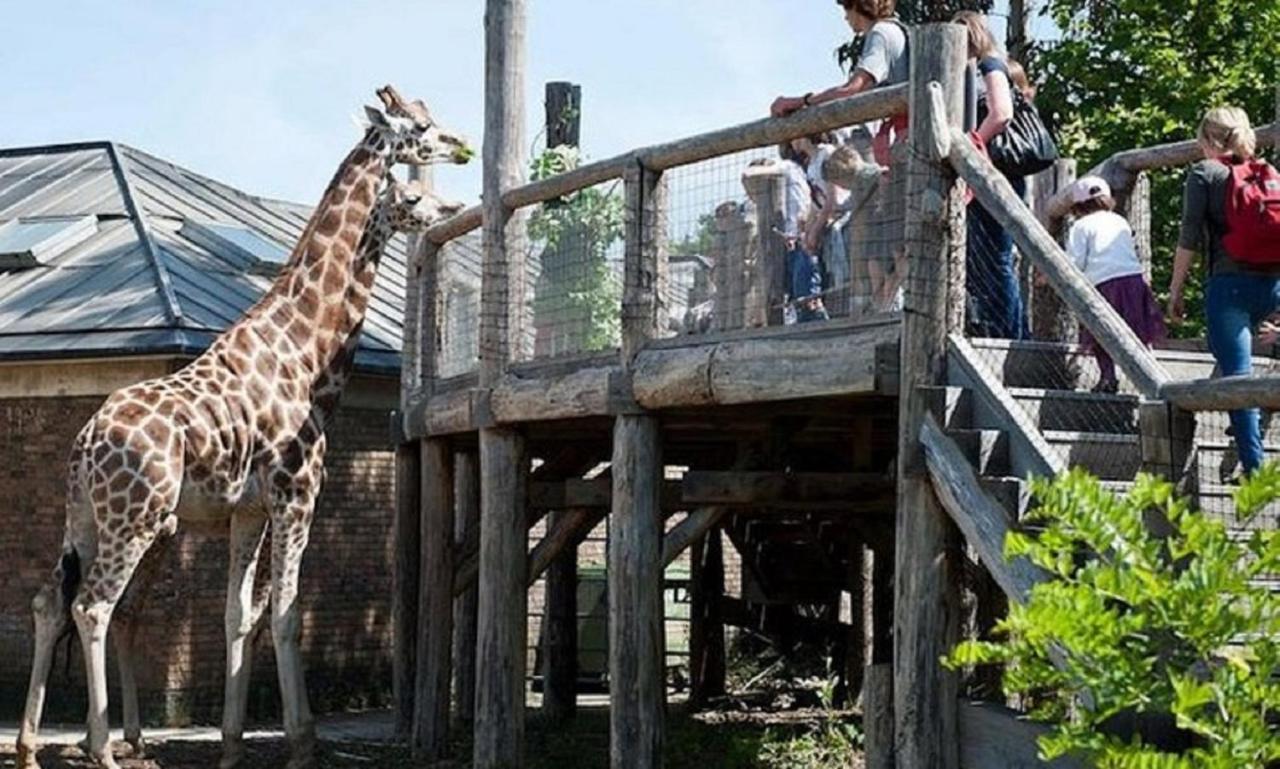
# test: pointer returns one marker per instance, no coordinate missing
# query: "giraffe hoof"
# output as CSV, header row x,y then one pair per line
x,y
27,757
137,745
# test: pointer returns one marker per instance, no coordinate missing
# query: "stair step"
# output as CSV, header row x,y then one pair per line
x,y
986,450
1077,410
951,406
1014,494
1110,456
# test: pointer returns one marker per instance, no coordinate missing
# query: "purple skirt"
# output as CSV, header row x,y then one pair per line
x,y
1132,299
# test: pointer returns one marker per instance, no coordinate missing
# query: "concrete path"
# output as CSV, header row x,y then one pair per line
x,y
369,726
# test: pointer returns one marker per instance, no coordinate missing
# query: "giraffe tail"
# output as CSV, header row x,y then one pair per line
x,y
69,566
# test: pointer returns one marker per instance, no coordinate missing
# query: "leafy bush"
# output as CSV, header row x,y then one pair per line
x,y
1129,622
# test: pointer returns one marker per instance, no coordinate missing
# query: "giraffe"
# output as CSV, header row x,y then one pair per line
x,y
236,438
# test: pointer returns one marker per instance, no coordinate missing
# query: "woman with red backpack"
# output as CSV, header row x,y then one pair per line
x,y
1231,213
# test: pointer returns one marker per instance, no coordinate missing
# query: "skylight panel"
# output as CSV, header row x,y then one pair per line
x,y
263,254
30,242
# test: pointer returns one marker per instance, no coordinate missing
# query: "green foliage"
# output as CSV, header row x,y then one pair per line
x,y
577,288
698,242
1132,73
1129,622
831,741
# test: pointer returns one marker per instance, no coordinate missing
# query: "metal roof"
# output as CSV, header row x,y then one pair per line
x,y
140,285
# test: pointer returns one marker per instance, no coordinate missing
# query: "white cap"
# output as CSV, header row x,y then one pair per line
x,y
1088,188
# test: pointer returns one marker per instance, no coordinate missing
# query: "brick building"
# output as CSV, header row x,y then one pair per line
x,y
116,266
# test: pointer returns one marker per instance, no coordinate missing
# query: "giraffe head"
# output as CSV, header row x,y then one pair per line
x,y
412,135
412,208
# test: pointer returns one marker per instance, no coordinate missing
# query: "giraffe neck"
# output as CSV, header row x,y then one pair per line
x,y
316,305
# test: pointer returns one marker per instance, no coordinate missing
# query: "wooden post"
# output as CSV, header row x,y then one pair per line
x,y
1017,39
926,598
466,499
706,625
1138,212
1050,318
560,655
404,601
435,609
503,596
636,689
729,251
766,186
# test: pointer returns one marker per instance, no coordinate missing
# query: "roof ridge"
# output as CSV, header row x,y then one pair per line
x,y
209,179
173,310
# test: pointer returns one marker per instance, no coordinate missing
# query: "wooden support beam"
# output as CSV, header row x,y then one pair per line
x,y
854,493
435,607
1050,317
997,196
706,625
766,187
877,716
566,530
636,671
692,529
926,605
404,598
1225,393
503,598
981,518
466,499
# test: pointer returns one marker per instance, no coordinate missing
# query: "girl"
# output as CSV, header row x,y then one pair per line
x,y
1101,244
990,279
1237,296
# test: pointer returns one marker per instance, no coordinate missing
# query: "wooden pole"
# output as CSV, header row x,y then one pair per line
x,y
1018,39
927,606
706,625
503,599
636,690
560,679
766,186
435,609
1050,318
404,601
466,499
1138,212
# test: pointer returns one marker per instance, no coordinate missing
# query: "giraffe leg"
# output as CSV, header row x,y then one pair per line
x,y
244,609
50,612
127,619
103,584
289,532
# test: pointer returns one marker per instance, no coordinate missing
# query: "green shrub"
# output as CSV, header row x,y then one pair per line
x,y
1132,623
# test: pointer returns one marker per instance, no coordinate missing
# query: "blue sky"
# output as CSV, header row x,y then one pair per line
x,y
260,94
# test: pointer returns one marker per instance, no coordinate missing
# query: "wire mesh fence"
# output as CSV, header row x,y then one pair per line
x,y
806,232
458,305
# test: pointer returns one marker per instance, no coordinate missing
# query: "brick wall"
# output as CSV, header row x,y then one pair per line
x,y
346,577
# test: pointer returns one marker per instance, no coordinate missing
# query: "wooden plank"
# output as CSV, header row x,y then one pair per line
x,y
636,671
404,596
926,599
560,651
645,268
582,393
852,491
693,528
993,737
994,192
982,520
466,498
466,220
1050,317
435,606
1225,393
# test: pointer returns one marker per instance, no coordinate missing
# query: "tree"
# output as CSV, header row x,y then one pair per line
x,y
698,242
1181,626
1129,73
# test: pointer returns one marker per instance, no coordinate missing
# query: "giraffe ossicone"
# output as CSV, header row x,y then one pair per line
x,y
236,438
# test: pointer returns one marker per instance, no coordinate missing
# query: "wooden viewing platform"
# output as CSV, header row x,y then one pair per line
x,y
850,455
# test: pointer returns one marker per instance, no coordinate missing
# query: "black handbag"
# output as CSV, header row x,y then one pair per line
x,y
1025,147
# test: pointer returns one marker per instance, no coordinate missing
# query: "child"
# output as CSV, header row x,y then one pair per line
x,y
1101,244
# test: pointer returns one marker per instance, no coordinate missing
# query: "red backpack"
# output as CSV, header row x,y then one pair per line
x,y
1253,212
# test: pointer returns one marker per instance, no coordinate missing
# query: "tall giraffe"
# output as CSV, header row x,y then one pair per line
x,y
237,435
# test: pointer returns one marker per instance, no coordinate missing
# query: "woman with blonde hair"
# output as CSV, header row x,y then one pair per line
x,y
1241,291
995,300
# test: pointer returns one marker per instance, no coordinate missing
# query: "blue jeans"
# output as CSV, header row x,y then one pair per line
x,y
804,281
995,300
1235,304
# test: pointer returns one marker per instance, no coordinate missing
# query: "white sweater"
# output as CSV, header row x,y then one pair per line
x,y
1101,245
